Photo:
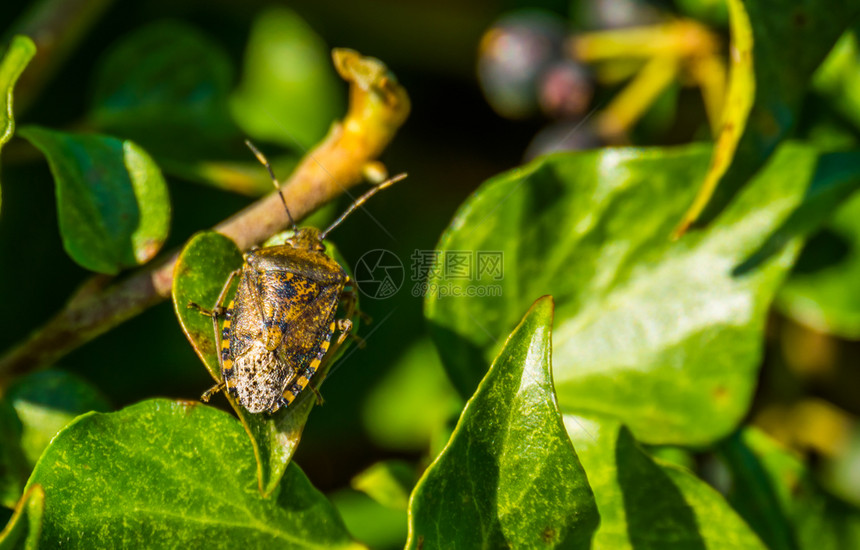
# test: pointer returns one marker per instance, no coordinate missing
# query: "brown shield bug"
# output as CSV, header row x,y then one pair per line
x,y
278,327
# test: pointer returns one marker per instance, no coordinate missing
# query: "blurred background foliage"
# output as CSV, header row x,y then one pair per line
x,y
492,83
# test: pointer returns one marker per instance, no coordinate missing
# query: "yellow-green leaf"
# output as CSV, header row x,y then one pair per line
x,y
776,47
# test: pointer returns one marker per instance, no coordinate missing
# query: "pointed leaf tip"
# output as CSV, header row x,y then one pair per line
x,y
509,475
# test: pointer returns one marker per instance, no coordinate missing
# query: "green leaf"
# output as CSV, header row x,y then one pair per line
x,y
15,59
641,319
199,276
289,92
509,476
645,503
46,401
388,483
112,200
173,474
678,456
776,47
25,526
369,521
779,497
822,291
13,465
838,78
167,87
412,402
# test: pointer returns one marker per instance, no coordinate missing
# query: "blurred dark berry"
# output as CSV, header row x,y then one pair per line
x,y
513,54
565,135
612,14
565,90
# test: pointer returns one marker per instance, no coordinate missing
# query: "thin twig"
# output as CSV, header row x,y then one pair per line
x,y
378,106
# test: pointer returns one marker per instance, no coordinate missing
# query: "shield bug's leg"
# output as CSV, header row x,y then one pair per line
x,y
359,341
344,327
212,391
319,396
202,310
349,298
217,312
295,386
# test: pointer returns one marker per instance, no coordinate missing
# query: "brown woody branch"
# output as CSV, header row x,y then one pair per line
x,y
378,106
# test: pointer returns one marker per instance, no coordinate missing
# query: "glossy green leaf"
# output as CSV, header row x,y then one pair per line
x,y
412,401
13,464
641,319
388,483
15,59
112,200
25,526
509,476
46,401
289,92
645,503
822,292
166,86
776,47
779,497
178,474
200,274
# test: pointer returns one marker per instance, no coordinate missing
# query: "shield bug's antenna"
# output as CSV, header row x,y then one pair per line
x,y
361,200
265,162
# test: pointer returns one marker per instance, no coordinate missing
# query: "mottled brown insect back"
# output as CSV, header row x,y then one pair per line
x,y
275,343
277,330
